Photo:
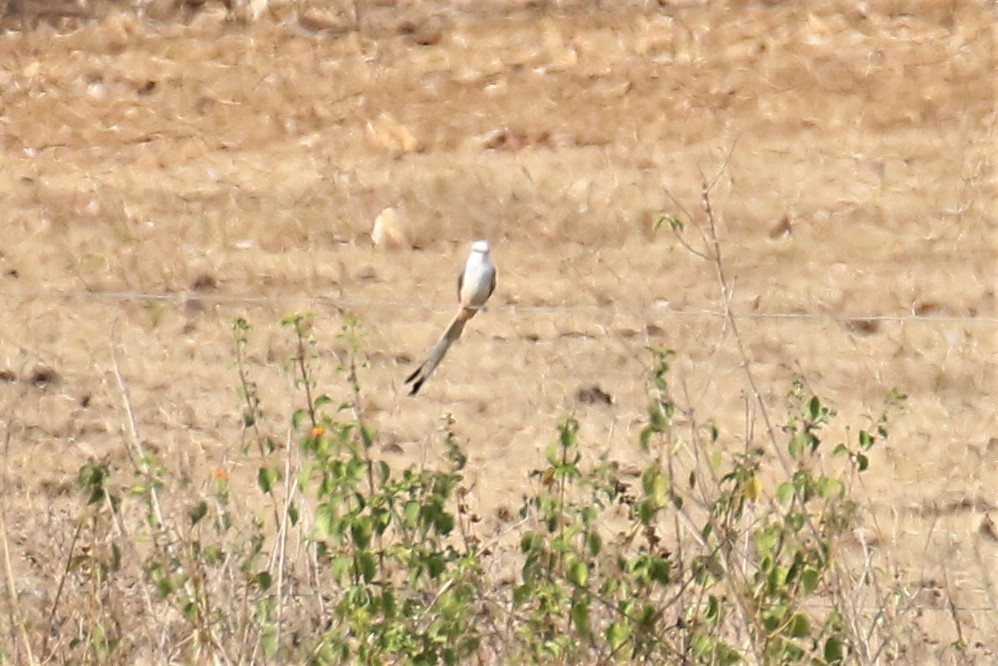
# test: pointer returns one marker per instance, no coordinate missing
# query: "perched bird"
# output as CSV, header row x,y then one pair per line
x,y
474,286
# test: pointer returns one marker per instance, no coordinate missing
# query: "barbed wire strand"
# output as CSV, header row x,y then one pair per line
x,y
355,304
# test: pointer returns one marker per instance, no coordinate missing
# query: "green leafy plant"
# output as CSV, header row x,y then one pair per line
x,y
710,550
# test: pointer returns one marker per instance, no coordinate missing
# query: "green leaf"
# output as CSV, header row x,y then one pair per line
x,y
702,645
266,477
199,511
655,484
531,543
410,515
324,517
341,568
773,618
580,615
830,488
382,519
713,611
645,438
578,572
657,420
674,222
800,626
862,462
798,444
785,492
443,524
568,432
726,656
360,532
715,460
834,652
435,565
594,543
367,565
297,417
814,408
268,642
809,579
659,570
214,555
617,634
647,511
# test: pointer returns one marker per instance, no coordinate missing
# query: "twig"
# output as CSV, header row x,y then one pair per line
x,y
726,296
282,537
119,524
140,461
252,402
137,452
952,609
62,584
15,608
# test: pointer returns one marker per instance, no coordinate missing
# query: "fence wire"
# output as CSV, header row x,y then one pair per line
x,y
358,304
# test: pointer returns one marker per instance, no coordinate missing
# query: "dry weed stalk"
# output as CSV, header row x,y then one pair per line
x,y
885,619
14,609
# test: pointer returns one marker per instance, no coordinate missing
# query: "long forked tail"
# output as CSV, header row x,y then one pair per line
x,y
453,332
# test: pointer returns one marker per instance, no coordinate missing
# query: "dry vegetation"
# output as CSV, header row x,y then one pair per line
x,y
166,171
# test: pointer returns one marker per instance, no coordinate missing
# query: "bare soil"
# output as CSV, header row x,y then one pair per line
x,y
166,171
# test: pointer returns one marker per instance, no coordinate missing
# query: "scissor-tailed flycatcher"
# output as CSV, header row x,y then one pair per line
x,y
474,286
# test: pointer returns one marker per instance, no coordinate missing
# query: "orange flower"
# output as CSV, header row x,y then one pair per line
x,y
220,474
318,431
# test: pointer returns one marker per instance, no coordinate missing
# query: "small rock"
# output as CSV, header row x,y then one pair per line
x,y
204,282
988,529
782,229
863,326
393,135
389,232
424,32
366,274
41,375
593,395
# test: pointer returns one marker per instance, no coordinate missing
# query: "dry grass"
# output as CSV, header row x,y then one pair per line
x,y
207,160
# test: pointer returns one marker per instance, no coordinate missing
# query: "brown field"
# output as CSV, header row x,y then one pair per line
x,y
162,175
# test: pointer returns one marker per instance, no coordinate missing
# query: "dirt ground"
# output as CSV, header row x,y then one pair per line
x,y
164,172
